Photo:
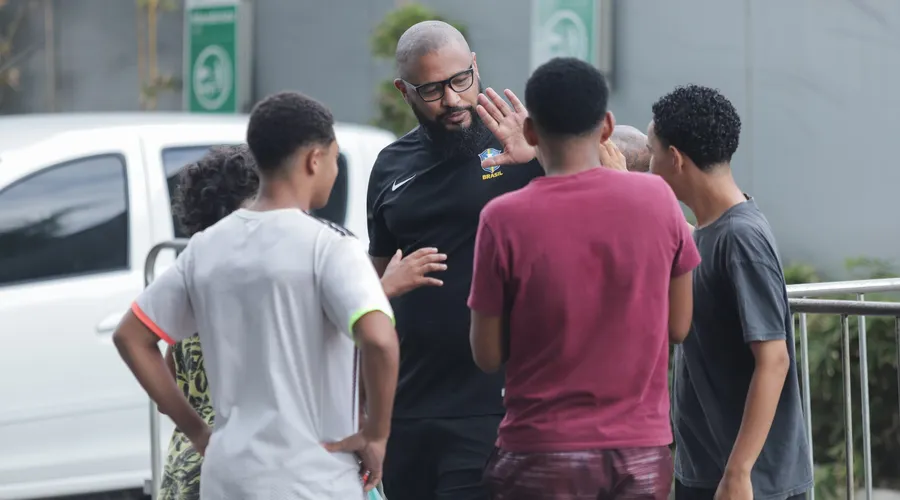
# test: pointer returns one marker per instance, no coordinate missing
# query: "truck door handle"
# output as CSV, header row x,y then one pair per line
x,y
109,323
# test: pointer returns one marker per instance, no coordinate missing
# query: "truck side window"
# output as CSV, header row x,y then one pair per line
x,y
174,159
65,220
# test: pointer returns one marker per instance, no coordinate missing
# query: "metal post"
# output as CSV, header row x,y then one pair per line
x,y
864,401
848,403
897,342
151,486
155,454
807,398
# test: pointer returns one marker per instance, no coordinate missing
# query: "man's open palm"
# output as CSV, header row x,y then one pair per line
x,y
506,125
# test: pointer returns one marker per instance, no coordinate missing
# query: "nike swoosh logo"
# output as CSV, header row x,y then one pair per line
x,y
398,184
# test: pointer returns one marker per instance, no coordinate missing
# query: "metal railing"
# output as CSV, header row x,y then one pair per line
x,y
801,305
151,486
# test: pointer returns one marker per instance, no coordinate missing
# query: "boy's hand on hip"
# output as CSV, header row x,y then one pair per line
x,y
200,441
370,452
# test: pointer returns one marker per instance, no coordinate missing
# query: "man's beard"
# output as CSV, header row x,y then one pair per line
x,y
464,141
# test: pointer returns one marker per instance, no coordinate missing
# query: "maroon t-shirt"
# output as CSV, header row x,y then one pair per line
x,y
582,264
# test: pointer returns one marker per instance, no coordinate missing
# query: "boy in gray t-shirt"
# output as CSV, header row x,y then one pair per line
x,y
738,424
278,298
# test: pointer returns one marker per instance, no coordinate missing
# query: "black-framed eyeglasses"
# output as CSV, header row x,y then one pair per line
x,y
434,91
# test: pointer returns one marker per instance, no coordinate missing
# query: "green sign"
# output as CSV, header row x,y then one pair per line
x,y
211,57
563,28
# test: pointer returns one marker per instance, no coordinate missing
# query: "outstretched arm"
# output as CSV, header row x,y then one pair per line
x,y
402,274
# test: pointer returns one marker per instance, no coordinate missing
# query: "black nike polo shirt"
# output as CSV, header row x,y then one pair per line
x,y
419,199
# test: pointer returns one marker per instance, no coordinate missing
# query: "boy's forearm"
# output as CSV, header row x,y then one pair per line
x,y
759,412
380,363
170,361
153,374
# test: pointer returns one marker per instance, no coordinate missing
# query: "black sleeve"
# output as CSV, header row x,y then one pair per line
x,y
381,242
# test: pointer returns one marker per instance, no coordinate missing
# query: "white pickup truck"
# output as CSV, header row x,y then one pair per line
x,y
83,198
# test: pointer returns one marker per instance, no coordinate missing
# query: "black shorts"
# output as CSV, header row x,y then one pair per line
x,y
440,459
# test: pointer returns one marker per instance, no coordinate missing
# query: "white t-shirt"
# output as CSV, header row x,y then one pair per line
x,y
274,296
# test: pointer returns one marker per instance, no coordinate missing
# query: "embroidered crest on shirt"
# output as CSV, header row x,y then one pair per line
x,y
494,170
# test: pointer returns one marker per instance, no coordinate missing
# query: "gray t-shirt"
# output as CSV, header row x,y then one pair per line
x,y
739,298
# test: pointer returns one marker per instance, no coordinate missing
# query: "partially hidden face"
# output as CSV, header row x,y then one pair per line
x,y
668,163
662,158
324,162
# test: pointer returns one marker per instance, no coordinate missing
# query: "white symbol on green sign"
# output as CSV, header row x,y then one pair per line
x,y
565,35
213,78
563,28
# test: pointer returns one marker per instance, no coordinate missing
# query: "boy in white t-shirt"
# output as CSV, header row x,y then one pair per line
x,y
278,298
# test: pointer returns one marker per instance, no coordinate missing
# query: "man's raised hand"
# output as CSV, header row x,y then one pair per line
x,y
611,157
506,125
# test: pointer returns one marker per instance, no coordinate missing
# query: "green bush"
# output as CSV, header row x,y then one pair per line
x,y
393,112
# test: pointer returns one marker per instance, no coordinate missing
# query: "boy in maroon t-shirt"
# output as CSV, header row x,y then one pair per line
x,y
589,271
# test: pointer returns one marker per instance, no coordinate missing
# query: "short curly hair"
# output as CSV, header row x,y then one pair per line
x,y
213,187
566,97
284,122
700,122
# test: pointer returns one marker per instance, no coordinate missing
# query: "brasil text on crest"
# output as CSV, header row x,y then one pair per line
x,y
494,170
